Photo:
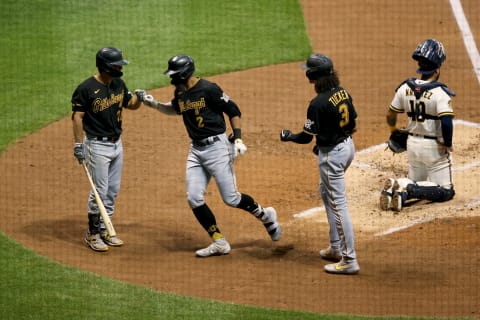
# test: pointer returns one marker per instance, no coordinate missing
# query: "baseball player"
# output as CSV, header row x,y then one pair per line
x,y
331,118
428,106
202,105
97,105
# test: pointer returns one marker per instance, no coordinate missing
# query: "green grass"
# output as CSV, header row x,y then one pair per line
x,y
33,287
48,47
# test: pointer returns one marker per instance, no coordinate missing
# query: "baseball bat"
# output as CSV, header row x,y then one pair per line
x,y
101,207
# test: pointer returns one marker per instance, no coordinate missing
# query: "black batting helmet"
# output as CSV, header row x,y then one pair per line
x,y
318,65
180,68
108,59
430,55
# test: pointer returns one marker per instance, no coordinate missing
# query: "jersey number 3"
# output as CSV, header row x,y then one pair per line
x,y
344,115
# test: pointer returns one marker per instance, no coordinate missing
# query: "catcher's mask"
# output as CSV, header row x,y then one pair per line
x,y
430,54
180,68
318,66
110,61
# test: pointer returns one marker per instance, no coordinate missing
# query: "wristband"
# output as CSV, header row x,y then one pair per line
x,y
237,133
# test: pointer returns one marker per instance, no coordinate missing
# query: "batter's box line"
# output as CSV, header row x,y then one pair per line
x,y
468,205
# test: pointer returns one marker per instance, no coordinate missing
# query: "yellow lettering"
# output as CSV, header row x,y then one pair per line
x,y
192,105
338,97
105,103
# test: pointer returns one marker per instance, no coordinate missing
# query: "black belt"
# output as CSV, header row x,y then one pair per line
x,y
205,142
110,139
422,136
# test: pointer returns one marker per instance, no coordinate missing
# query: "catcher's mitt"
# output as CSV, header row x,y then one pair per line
x,y
397,142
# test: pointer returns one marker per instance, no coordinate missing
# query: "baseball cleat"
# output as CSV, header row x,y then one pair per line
x,y
386,195
95,242
343,267
331,254
272,225
216,248
111,241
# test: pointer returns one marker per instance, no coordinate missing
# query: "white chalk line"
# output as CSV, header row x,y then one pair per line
x,y
468,205
467,36
316,210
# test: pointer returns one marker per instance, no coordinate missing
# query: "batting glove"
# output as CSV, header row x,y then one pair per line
x,y
285,135
239,147
140,93
78,152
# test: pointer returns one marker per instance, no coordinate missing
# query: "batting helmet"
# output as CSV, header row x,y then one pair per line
x,y
108,60
180,68
318,65
430,55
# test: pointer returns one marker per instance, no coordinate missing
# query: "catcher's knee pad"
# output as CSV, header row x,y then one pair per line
x,y
432,193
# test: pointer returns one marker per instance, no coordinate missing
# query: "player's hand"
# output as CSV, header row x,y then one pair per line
x,y
150,101
239,147
285,135
78,152
140,93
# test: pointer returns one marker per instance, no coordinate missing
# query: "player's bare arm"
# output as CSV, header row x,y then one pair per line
x,y
134,102
164,107
392,120
77,118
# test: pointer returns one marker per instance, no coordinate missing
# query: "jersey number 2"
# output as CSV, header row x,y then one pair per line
x,y
200,122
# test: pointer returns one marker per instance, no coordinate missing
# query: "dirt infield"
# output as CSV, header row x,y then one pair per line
x,y
424,261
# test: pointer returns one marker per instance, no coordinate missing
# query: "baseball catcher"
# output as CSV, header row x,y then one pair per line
x,y
428,106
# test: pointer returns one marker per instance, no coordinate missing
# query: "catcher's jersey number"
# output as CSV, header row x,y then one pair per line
x,y
418,110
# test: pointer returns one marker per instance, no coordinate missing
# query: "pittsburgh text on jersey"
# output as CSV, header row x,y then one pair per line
x,y
99,105
189,105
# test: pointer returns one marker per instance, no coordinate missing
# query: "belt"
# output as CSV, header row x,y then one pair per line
x,y
205,142
422,136
110,139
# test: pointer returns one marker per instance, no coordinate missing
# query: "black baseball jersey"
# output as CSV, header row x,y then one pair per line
x,y
102,105
331,117
202,108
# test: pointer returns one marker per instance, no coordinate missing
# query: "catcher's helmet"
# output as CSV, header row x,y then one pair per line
x,y
108,59
180,68
430,55
318,65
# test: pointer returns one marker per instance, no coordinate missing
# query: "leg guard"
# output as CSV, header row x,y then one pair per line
x,y
247,203
206,218
94,223
431,193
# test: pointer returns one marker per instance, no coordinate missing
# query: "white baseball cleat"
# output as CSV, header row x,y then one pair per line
x,y
216,248
343,267
399,193
111,241
331,254
386,195
271,224
95,242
